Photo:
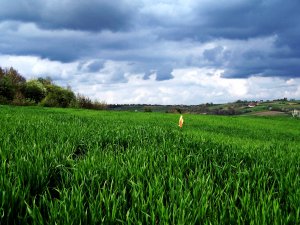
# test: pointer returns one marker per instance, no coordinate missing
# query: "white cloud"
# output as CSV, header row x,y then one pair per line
x,y
31,67
191,85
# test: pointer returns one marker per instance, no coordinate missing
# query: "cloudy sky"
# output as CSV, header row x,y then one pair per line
x,y
157,52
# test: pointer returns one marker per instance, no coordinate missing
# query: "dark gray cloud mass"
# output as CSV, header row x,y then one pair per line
x,y
153,35
91,15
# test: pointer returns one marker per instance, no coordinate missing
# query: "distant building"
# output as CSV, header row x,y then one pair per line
x,y
252,104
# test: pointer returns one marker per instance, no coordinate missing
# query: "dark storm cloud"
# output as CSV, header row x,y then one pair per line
x,y
216,56
140,32
242,20
45,45
261,64
260,19
91,15
234,19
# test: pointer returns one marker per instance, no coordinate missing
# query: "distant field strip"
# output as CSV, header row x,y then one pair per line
x,y
71,166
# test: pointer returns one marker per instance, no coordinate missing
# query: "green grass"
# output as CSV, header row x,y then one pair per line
x,y
67,166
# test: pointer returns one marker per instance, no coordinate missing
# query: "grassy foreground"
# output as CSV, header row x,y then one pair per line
x,y
67,166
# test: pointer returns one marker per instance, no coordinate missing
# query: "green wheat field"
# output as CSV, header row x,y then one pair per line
x,y
71,166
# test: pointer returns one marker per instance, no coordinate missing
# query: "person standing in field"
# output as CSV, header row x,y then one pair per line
x,y
180,121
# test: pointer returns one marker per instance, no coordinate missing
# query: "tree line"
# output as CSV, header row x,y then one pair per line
x,y
16,90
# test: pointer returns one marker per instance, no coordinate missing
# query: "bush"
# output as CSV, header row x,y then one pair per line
x,y
84,102
3,100
99,105
49,101
147,109
7,89
58,97
23,102
35,91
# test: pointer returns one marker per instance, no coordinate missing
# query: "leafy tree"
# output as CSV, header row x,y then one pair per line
x,y
45,81
58,97
1,73
7,89
99,105
11,83
16,79
15,90
20,100
35,90
84,102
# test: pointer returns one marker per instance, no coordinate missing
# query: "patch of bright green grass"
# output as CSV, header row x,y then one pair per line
x,y
70,166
